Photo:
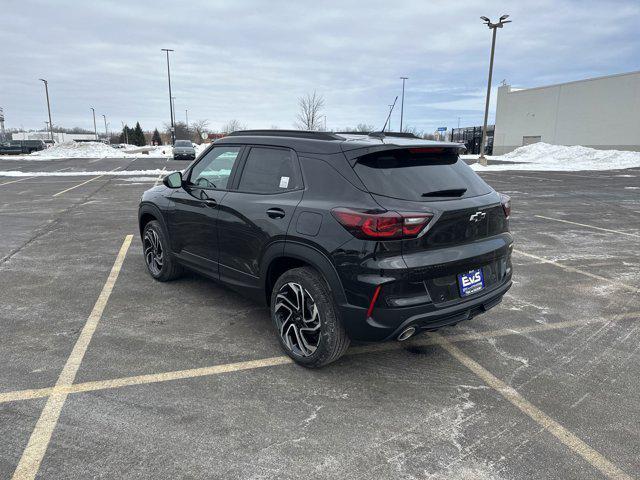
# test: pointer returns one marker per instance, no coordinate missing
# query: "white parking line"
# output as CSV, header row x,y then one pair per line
x,y
581,272
578,446
589,226
33,454
83,183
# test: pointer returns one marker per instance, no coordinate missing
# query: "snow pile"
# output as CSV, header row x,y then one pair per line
x,y
80,150
543,156
201,148
102,173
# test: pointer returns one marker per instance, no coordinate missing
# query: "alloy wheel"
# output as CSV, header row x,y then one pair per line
x,y
298,319
153,253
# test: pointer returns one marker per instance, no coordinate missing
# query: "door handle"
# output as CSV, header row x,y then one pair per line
x,y
275,213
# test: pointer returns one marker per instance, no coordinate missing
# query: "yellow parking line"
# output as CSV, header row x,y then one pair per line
x,y
83,183
16,181
581,272
578,446
41,436
164,169
589,226
283,360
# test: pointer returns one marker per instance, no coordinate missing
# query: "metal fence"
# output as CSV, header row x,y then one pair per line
x,y
472,137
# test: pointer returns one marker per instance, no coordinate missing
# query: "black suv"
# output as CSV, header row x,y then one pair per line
x,y
363,237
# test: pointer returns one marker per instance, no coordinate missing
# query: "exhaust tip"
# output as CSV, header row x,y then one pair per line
x,y
406,333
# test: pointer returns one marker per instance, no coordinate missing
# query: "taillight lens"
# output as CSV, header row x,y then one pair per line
x,y
381,225
505,200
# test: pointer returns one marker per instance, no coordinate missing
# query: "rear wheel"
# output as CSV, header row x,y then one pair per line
x,y
306,318
155,246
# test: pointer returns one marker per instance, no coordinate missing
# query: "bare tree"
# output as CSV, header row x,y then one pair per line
x,y
309,117
233,126
200,127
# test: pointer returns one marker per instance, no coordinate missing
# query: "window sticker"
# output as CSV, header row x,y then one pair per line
x,y
284,182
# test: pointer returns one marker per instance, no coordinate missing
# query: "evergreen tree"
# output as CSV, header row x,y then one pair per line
x,y
156,140
126,136
138,136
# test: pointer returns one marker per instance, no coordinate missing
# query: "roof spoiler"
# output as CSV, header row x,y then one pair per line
x,y
444,148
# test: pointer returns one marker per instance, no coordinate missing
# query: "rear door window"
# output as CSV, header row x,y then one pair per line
x,y
269,170
414,174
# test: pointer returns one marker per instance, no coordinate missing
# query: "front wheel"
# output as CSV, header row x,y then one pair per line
x,y
306,318
155,245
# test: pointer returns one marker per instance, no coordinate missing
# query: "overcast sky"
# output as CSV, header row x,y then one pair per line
x,y
251,60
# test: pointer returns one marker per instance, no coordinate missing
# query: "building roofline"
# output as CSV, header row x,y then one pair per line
x,y
520,90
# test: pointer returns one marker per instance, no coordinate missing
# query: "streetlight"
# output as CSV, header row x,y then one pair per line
x,y
173,130
173,105
186,115
95,128
492,26
46,89
402,101
106,132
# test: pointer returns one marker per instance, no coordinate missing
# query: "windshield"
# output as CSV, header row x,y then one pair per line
x,y
183,143
419,176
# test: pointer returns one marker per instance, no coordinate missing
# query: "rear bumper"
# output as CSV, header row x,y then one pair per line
x,y
386,323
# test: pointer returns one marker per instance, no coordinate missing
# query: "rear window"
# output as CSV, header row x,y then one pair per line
x,y
413,175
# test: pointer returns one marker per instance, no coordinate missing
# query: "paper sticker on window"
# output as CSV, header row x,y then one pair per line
x,y
284,182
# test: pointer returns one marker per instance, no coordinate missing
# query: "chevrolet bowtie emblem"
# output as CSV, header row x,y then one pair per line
x,y
476,217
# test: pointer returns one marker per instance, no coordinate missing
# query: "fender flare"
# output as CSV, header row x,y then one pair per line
x,y
151,209
308,254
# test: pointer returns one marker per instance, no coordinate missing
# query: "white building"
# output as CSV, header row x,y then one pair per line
x,y
599,112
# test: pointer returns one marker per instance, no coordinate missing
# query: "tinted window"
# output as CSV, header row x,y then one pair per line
x,y
214,169
183,143
414,176
269,170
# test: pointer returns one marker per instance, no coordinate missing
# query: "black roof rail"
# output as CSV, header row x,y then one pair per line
x,y
286,133
381,134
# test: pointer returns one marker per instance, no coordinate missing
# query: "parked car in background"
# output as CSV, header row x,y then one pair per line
x,y
10,148
345,236
183,150
21,147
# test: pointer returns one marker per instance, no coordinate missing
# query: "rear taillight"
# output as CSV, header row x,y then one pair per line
x,y
505,200
381,226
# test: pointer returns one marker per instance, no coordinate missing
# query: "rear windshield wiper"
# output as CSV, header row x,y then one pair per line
x,y
452,192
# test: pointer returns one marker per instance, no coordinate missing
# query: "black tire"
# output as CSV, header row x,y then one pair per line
x,y
160,264
331,341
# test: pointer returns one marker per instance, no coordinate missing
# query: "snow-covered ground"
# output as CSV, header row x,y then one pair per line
x,y
113,173
543,156
91,150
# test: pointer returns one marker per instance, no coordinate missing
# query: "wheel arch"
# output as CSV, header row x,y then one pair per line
x,y
278,260
149,212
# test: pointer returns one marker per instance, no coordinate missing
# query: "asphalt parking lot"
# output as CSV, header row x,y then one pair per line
x,y
108,374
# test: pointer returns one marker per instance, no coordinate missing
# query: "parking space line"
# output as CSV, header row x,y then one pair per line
x,y
589,226
33,454
16,181
577,270
578,446
83,183
283,360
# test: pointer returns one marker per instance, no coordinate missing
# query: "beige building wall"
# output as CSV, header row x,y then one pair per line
x,y
599,113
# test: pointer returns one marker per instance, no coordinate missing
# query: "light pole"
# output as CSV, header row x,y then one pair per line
x,y
173,129
402,101
95,128
186,115
106,132
492,26
46,89
173,106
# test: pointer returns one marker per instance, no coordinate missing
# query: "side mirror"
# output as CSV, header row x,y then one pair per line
x,y
173,180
